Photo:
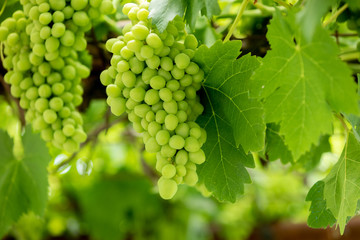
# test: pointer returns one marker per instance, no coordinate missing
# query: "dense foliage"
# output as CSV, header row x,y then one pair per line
x,y
212,90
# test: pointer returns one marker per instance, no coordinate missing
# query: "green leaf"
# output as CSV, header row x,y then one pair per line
x,y
354,120
23,182
320,216
275,146
228,112
301,84
212,8
309,18
276,149
115,206
226,86
192,13
342,188
164,11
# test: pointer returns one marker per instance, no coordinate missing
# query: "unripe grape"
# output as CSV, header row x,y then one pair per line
x,y
176,142
167,151
191,178
167,188
151,97
168,171
157,82
162,137
152,146
165,94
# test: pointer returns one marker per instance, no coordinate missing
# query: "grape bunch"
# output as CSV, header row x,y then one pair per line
x,y
153,79
44,45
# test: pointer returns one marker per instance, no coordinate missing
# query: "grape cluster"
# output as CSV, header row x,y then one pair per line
x,y
44,45
153,79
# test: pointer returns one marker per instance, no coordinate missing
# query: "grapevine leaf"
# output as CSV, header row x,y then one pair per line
x,y
230,118
192,12
301,84
23,182
226,85
275,146
212,8
276,149
342,188
354,120
320,216
309,18
223,172
164,11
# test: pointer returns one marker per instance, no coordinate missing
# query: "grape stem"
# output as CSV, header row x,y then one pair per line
x,y
237,19
335,15
113,24
91,137
343,123
3,7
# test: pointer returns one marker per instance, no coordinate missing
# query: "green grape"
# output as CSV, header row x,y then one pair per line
x,y
152,146
162,137
137,94
176,142
118,106
153,62
191,42
182,61
197,157
168,171
133,45
160,116
146,52
167,151
152,97
154,41
56,104
141,110
166,63
191,178
154,128
140,32
170,107
171,122
182,130
165,94
129,79
107,7
177,73
157,82
167,188
192,144
181,170
49,116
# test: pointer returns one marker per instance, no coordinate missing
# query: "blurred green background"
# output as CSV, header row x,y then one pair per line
x,y
108,191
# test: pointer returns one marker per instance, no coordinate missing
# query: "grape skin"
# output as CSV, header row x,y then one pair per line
x,y
153,75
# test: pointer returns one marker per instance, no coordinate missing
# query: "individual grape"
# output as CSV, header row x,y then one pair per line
x,y
165,94
182,61
168,171
176,142
167,188
154,41
191,178
171,122
162,137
